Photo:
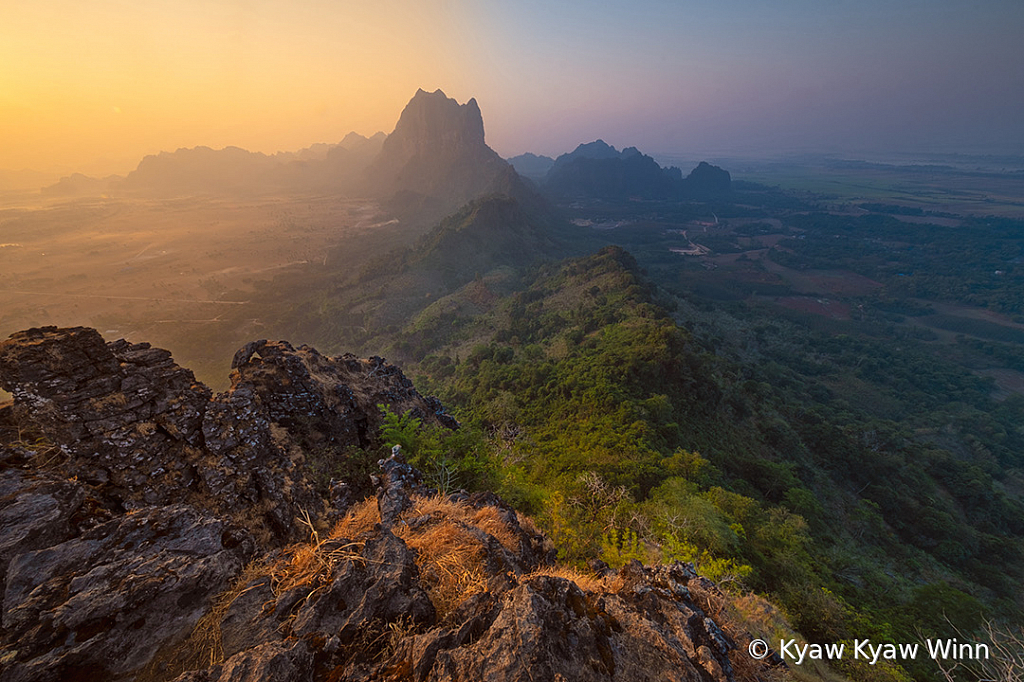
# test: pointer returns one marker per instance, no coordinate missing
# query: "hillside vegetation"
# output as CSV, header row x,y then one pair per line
x,y
862,486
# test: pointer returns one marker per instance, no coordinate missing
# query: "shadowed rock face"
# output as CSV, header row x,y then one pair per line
x,y
597,170
131,499
101,604
437,149
130,422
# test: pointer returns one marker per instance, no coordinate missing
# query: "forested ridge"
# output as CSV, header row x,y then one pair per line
x,y
861,485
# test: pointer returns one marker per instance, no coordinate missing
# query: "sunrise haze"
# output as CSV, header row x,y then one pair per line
x,y
94,87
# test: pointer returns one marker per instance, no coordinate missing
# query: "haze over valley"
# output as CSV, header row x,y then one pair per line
x,y
663,341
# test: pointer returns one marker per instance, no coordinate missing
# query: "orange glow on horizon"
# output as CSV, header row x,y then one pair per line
x,y
115,80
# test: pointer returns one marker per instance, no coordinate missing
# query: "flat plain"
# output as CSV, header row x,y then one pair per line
x,y
171,272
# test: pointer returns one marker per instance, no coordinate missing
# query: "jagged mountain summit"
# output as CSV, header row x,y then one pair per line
x,y
596,170
436,159
151,531
437,149
532,166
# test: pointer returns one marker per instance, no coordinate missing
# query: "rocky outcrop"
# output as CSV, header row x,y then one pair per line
x,y
548,628
168,548
100,605
367,614
127,420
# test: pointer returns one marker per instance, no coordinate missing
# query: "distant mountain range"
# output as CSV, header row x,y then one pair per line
x,y
434,161
235,171
596,170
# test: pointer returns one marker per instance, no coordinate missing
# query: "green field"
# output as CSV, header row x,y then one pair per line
x,y
925,187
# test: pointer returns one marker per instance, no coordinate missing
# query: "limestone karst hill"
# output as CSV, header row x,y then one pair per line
x,y
150,530
437,149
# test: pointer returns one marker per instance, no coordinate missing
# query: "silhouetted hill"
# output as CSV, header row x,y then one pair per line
x,y
596,170
598,149
437,149
532,166
235,171
705,180
201,170
78,184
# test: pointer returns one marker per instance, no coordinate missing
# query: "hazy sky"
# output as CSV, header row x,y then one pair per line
x,y
95,85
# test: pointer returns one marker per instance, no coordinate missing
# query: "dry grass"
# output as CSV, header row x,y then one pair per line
x,y
748,616
306,566
584,581
204,646
312,564
488,519
360,519
451,562
450,556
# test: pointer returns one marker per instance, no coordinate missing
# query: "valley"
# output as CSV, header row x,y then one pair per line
x,y
814,403
183,272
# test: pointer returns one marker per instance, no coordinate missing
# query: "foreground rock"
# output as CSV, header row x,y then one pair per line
x,y
151,531
100,605
126,419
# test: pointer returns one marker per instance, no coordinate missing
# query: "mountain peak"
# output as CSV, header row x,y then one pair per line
x,y
434,116
437,149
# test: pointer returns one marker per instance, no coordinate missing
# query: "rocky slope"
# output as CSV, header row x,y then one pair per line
x,y
150,530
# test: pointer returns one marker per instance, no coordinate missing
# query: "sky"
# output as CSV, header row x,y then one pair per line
x,y
93,87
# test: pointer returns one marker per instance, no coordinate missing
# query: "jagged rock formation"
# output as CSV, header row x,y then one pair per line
x,y
437,149
105,601
147,532
532,166
596,170
141,430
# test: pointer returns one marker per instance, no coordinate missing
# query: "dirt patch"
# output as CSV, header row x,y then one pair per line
x,y
836,310
1008,382
824,282
929,220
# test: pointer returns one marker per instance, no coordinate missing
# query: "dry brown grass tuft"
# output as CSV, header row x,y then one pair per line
x,y
311,565
360,519
439,505
488,519
307,566
451,562
450,557
584,581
